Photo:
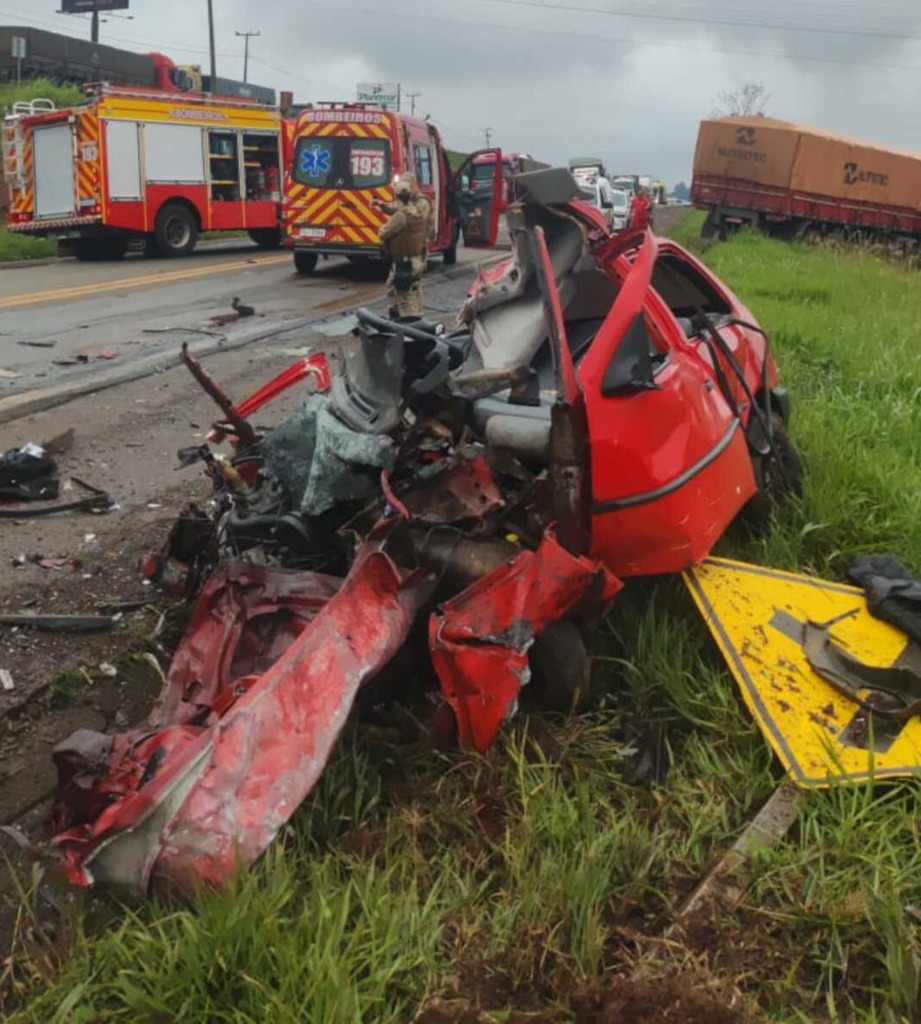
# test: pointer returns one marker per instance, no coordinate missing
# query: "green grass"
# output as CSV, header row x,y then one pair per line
x,y
39,88
535,875
20,247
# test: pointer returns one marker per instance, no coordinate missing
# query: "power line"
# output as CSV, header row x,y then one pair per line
x,y
636,42
641,42
246,36
550,5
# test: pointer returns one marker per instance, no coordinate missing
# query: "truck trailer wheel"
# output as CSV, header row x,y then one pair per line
x,y
176,232
266,238
305,262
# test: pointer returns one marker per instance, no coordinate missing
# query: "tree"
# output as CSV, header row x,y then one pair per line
x,y
747,100
681,191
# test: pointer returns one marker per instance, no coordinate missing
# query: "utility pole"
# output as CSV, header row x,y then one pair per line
x,y
413,96
247,36
488,133
94,31
211,44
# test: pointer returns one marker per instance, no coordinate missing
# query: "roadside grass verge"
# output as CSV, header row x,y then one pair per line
x,y
20,247
39,88
536,883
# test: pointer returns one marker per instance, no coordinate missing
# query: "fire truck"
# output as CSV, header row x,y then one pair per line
x,y
344,155
144,164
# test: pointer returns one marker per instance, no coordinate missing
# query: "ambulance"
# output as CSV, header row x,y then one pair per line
x,y
143,164
344,156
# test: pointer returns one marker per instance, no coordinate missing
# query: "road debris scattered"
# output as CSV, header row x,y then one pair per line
x,y
27,474
58,623
6,679
893,593
96,501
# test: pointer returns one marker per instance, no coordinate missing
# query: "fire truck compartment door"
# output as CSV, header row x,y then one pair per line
x,y
124,160
175,154
54,171
477,201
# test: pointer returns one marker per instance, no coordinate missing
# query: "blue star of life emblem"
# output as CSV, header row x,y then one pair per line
x,y
315,162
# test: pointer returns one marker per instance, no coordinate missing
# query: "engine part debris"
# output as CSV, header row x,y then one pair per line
x,y
480,640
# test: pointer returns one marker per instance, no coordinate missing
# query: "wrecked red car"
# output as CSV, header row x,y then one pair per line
x,y
446,516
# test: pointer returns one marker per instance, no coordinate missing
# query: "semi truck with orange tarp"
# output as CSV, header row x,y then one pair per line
x,y
346,157
145,164
787,179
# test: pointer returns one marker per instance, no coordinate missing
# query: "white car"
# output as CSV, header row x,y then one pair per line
x,y
613,202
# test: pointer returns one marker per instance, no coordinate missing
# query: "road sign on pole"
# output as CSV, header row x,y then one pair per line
x,y
18,51
387,94
91,6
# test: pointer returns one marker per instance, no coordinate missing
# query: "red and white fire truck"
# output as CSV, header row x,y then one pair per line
x,y
343,156
136,163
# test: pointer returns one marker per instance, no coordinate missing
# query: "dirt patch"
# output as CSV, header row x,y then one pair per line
x,y
459,1011
648,999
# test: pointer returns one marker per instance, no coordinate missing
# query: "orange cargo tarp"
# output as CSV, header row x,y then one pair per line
x,y
846,170
757,149
783,154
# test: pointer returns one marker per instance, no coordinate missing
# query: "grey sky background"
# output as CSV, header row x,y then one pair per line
x,y
562,77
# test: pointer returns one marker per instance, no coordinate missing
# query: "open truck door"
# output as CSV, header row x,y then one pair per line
x,y
477,200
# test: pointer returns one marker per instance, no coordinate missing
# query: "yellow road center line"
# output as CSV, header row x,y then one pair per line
x,y
81,291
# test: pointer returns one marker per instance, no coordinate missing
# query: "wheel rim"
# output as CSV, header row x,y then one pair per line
x,y
177,231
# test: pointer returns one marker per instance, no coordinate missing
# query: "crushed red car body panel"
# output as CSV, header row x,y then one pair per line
x,y
479,641
593,421
189,803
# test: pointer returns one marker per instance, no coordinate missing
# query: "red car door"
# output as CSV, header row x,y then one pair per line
x,y
478,207
670,466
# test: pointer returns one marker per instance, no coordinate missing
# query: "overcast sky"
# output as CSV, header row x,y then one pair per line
x,y
563,77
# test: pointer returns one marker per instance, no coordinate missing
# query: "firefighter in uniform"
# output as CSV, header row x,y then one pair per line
x,y
405,240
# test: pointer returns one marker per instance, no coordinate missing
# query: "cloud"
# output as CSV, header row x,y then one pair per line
x,y
556,83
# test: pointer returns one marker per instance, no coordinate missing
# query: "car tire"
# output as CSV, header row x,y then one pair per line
x,y
266,238
176,231
778,478
305,262
561,669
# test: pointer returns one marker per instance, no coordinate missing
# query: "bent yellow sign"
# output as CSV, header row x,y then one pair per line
x,y
821,736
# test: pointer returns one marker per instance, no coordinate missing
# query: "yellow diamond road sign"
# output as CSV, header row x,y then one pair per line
x,y
821,736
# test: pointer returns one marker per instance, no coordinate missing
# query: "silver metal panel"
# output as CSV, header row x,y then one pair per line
x,y
53,148
124,160
174,153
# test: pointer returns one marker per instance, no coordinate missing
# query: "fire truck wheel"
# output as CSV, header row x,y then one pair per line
x,y
450,255
92,249
266,238
177,230
305,262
